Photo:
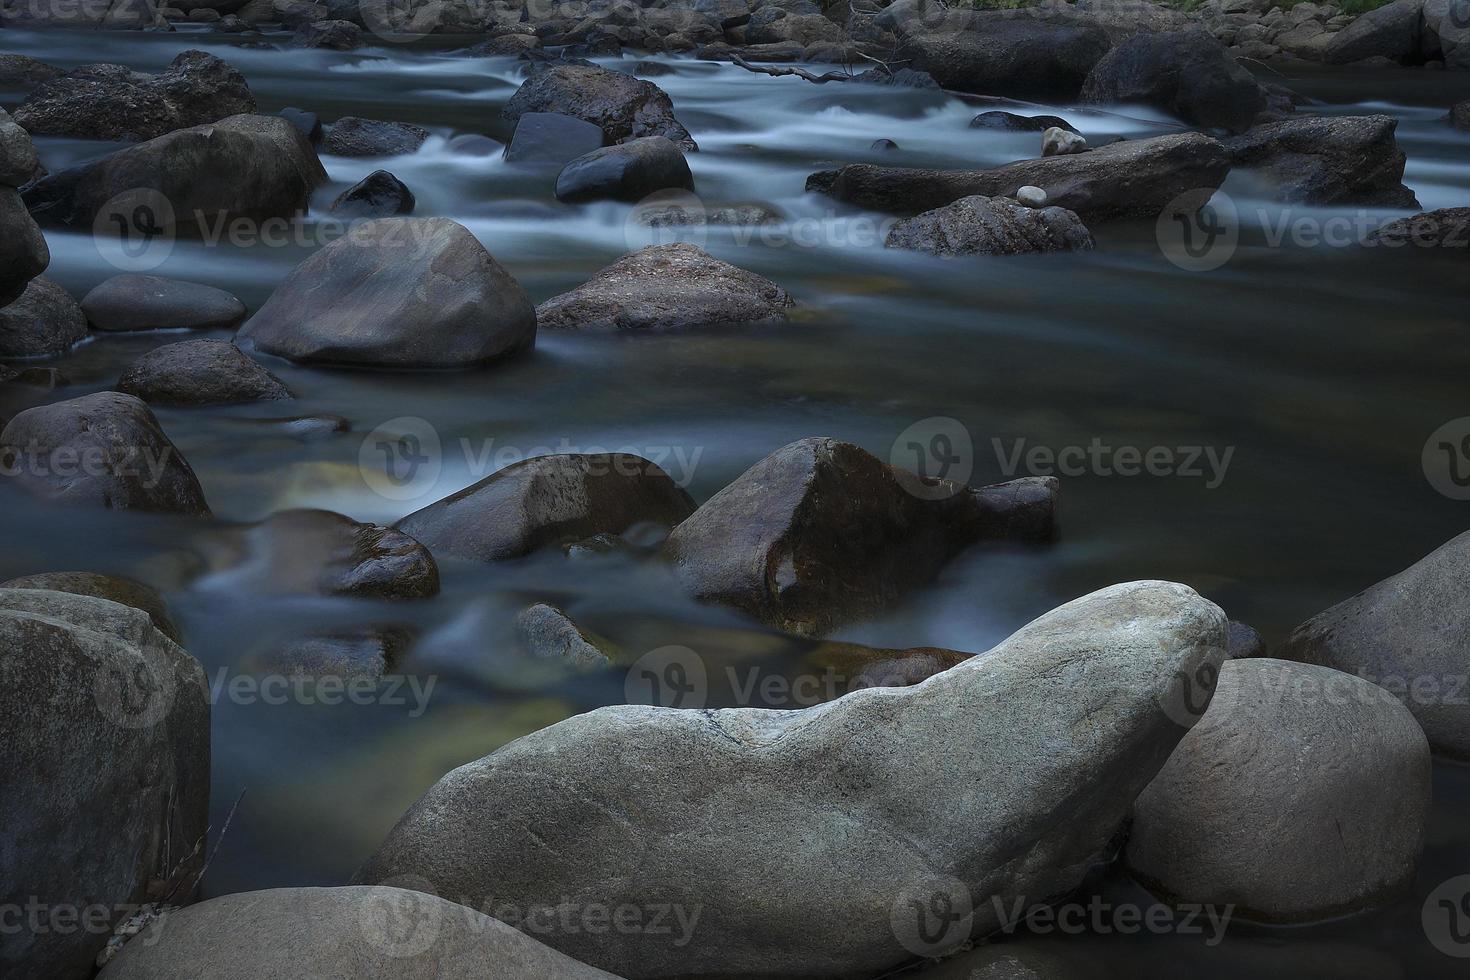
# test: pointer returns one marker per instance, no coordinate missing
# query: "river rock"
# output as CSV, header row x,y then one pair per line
x,y
548,138
23,251
355,653
779,542
666,287
1459,116
1022,54
1132,179
1301,795
627,171
546,501
192,181
1245,642
1406,634
19,71
353,136
132,302
398,292
44,322
1015,123
550,634
109,587
106,762
335,35
111,102
1187,74
1392,31
1327,160
1073,714
200,372
990,226
378,195
368,933
622,106
18,160
104,450
1445,228
1057,142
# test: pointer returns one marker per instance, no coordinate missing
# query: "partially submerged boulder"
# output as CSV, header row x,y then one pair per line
x,y
1447,228
622,106
1327,160
550,634
44,322
129,302
990,226
353,136
552,138
628,171
378,195
1187,74
200,372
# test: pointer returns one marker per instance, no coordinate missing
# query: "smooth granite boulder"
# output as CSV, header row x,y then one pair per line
x,y
200,372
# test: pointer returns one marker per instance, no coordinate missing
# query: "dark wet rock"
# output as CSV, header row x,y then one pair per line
x,y
548,633
308,124
109,587
19,71
354,931
399,292
821,532
506,45
1017,53
335,35
546,501
106,762
1445,228
46,378
110,102
353,136
1133,179
230,24
622,106
627,171
1301,795
18,160
1187,74
1327,160
1405,634
552,138
131,302
883,145
101,450
990,226
1394,31
1066,716
23,251
902,78
367,652
652,69
191,182
1245,643
1016,123
1459,116
200,372
44,322
666,287
378,195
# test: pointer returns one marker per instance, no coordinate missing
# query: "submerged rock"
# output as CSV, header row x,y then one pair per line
x,y
1187,74
1011,122
44,322
1074,713
991,226
133,302
548,633
1445,228
628,171
378,195
1327,160
200,372
364,653
622,106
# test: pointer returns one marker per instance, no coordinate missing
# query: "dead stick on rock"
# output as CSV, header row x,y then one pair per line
x,y
831,76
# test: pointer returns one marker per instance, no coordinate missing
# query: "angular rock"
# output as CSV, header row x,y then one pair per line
x,y
552,138
398,292
548,633
334,35
1327,160
1012,122
23,72
102,450
23,251
44,322
110,102
369,933
628,171
549,500
820,533
1057,142
1301,795
124,591
622,106
990,226
378,195
1445,228
1408,635
666,287
306,123
106,762
1132,179
1393,31
132,302
353,136
1073,714
1187,74
1016,53
200,372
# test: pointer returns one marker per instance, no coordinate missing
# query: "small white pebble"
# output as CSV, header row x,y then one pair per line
x,y
1031,196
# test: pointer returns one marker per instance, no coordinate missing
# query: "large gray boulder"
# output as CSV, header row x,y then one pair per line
x,y
1020,54
1327,160
852,813
104,768
398,292
990,226
628,171
821,532
549,500
1409,634
103,450
366,933
124,591
112,102
1131,179
129,302
1301,795
622,106
1187,74
1394,31
44,322
200,372
666,287
23,251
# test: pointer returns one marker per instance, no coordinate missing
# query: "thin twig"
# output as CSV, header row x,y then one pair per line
x,y
209,860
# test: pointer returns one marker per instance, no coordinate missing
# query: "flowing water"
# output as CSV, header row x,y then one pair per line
x,y
1292,390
